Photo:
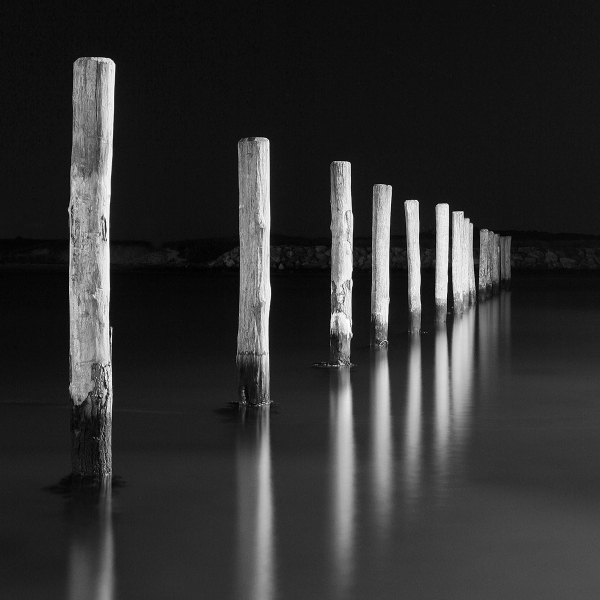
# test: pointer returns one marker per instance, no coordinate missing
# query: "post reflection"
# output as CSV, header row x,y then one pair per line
x,y
381,440
343,464
442,409
256,567
488,347
461,370
413,426
91,542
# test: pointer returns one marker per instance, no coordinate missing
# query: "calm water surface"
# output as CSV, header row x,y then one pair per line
x,y
464,463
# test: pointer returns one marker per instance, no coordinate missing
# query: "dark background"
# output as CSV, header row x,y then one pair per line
x,y
491,108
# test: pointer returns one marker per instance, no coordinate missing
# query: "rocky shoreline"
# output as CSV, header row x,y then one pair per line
x,y
573,254
319,257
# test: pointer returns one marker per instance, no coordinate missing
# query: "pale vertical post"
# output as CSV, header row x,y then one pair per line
x,y
442,242
483,260
255,278
413,256
380,274
496,265
505,243
90,384
457,218
490,265
464,271
472,287
340,329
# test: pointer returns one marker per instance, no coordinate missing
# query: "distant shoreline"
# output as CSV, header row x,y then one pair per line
x,y
530,250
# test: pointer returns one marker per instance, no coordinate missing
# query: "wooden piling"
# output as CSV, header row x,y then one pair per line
x,y
472,287
490,265
340,329
464,271
505,253
255,279
442,242
457,228
483,264
90,383
380,273
496,265
413,256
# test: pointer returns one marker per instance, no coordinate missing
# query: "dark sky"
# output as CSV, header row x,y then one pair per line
x,y
489,108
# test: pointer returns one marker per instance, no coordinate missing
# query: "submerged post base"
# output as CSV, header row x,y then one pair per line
x,y
441,309
339,349
91,428
379,331
253,379
414,322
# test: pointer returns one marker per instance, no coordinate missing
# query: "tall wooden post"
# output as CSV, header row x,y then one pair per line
x,y
255,277
457,219
413,256
380,273
442,242
472,287
464,271
90,384
340,328
490,265
505,243
483,261
496,265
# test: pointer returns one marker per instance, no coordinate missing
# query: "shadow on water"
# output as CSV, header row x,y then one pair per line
x,y
255,514
89,521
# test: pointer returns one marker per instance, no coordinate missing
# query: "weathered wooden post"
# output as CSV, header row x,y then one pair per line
x,y
255,278
505,243
496,265
380,274
340,329
490,265
464,271
483,260
90,384
442,242
472,287
413,256
457,228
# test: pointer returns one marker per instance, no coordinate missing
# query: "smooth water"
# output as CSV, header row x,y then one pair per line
x,y
463,463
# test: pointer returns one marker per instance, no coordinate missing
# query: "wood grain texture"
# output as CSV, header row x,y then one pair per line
x,y
457,257
342,226
496,264
442,250
90,384
380,273
413,257
483,267
255,278
471,257
505,255
490,265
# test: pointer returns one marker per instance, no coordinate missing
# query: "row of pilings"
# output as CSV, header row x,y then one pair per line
x,y
90,382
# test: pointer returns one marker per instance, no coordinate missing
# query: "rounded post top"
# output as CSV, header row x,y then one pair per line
x,y
340,162
254,139
99,59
